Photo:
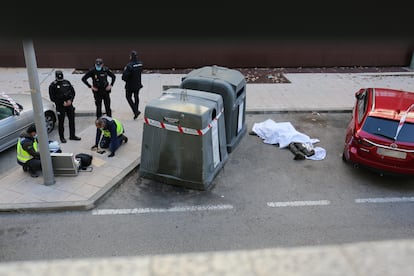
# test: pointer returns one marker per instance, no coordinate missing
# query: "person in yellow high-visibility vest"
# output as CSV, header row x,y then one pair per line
x,y
109,134
27,151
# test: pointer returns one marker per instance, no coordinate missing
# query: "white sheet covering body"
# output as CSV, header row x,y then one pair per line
x,y
284,133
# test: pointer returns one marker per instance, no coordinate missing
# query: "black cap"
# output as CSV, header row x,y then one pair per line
x,y
133,54
31,128
59,75
99,61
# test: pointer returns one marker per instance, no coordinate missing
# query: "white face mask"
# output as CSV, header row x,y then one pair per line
x,y
35,136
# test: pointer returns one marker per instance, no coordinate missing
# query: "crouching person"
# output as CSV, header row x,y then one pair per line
x,y
109,134
28,155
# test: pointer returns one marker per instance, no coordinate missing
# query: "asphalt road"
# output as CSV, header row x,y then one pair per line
x,y
262,198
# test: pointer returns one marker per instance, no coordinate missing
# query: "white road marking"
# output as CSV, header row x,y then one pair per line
x,y
161,210
384,200
298,203
228,207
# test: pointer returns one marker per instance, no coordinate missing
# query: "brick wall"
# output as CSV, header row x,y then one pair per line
x,y
165,54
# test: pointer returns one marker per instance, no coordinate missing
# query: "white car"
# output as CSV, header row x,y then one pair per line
x,y
16,114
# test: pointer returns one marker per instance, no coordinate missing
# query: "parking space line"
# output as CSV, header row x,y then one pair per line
x,y
298,203
161,210
384,200
133,211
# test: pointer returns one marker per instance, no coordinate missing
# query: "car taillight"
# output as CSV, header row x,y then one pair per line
x,y
361,142
364,143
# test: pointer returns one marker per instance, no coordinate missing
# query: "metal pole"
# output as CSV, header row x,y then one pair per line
x,y
39,116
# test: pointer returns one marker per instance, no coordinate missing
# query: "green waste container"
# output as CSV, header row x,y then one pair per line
x,y
184,140
231,85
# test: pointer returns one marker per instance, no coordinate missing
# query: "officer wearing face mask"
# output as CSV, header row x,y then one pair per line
x,y
101,87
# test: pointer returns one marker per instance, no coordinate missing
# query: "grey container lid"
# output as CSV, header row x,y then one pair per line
x,y
231,76
185,107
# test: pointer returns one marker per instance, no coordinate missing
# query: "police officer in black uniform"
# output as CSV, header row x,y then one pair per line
x,y
132,77
101,88
62,93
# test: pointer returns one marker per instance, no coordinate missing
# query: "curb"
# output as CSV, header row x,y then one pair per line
x,y
83,205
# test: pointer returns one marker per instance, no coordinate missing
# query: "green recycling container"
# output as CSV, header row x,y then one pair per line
x,y
184,140
231,85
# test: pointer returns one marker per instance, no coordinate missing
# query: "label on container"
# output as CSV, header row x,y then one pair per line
x,y
240,119
215,142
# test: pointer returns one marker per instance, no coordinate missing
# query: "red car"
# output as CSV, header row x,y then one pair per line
x,y
380,134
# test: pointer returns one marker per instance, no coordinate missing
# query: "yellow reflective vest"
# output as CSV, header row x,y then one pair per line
x,y
22,155
119,129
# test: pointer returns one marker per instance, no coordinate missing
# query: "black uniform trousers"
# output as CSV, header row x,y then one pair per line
x,y
31,165
106,141
102,96
62,112
34,165
132,97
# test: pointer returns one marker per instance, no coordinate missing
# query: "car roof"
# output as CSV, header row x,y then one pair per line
x,y
15,96
392,104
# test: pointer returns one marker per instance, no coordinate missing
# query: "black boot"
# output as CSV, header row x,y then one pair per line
x,y
33,173
305,150
137,114
298,154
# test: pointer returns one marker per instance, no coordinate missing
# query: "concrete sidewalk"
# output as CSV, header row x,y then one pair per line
x,y
306,92
385,258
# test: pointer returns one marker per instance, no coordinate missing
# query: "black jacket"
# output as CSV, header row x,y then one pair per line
x,y
60,91
99,78
132,75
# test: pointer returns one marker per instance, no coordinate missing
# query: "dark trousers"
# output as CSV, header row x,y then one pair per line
x,y
106,141
64,111
33,165
132,97
99,96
